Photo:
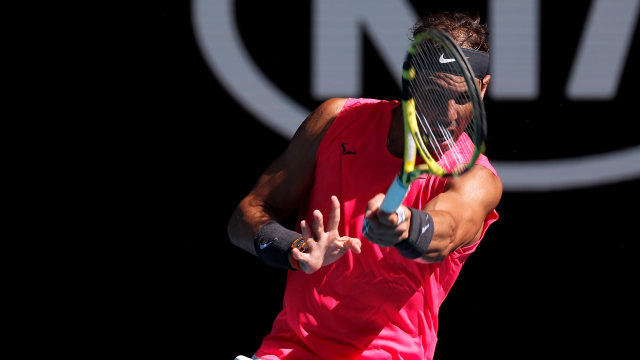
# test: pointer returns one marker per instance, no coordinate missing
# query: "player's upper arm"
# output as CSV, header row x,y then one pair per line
x,y
287,180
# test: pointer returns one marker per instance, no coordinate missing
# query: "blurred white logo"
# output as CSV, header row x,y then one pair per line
x,y
444,61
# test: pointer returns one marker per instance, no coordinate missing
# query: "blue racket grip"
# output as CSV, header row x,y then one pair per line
x,y
392,201
395,195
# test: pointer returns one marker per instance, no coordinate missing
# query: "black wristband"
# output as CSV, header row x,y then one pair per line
x,y
272,244
420,234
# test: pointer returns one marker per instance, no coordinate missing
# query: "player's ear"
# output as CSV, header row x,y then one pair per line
x,y
484,84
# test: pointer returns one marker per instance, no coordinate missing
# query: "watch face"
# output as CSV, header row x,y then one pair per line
x,y
301,245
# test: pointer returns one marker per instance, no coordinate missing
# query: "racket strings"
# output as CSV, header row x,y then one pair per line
x,y
444,111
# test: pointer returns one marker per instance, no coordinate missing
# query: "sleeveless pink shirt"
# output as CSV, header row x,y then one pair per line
x,y
378,304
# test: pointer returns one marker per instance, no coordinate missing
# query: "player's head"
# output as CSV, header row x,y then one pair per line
x,y
469,33
449,117
465,29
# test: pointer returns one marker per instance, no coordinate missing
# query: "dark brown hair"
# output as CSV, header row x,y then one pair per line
x,y
464,28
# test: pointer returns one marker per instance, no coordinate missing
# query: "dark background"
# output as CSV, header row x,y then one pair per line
x,y
555,277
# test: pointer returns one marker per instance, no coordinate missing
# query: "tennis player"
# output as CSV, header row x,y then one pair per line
x,y
353,297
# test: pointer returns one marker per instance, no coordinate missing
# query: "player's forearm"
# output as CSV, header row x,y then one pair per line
x,y
444,239
430,236
450,233
245,222
459,212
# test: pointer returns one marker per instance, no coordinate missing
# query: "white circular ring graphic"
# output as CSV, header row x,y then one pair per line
x,y
221,46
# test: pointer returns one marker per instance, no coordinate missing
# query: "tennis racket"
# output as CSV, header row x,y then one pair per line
x,y
444,116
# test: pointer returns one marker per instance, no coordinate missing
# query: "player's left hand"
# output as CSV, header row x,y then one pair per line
x,y
325,244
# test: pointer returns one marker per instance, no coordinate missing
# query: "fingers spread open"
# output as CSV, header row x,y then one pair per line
x,y
334,215
318,225
353,243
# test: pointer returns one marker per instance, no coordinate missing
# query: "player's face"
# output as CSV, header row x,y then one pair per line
x,y
448,117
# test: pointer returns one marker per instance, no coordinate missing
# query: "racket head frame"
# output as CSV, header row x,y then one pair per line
x,y
414,143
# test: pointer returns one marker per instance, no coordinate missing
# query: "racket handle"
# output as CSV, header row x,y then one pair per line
x,y
395,195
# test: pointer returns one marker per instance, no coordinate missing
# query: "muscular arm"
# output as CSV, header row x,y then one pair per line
x,y
458,214
286,182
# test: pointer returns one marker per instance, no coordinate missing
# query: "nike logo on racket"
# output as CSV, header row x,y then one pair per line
x,y
442,60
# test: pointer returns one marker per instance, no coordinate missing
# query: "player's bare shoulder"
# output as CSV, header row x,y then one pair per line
x,y
319,121
315,126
